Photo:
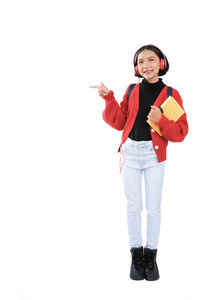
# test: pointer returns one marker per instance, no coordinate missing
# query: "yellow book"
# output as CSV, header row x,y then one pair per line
x,y
172,110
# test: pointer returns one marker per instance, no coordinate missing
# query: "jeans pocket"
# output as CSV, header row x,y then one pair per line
x,y
127,145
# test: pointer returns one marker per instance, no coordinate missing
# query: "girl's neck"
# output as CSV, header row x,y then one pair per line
x,y
153,85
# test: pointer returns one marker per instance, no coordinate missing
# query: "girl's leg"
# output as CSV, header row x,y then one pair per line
x,y
132,179
154,177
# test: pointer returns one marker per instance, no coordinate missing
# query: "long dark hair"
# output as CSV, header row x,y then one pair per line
x,y
158,52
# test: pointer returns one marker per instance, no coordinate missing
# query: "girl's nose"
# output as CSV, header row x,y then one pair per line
x,y
146,63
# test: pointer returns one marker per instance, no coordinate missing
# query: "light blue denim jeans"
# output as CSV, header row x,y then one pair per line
x,y
140,158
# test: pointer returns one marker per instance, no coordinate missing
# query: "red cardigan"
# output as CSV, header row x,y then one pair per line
x,y
122,117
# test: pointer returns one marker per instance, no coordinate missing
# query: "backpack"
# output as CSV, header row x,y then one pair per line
x,y
169,90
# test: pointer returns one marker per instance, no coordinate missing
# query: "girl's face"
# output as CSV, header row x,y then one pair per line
x,y
148,65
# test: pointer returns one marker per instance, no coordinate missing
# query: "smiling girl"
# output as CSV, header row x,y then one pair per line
x,y
144,151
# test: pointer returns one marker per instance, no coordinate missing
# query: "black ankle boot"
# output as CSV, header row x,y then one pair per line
x,y
137,266
151,272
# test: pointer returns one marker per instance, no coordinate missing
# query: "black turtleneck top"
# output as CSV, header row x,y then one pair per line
x,y
148,93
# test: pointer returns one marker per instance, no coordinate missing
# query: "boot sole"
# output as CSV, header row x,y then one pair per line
x,y
151,279
136,278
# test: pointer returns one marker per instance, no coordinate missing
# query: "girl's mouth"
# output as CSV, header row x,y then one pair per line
x,y
147,72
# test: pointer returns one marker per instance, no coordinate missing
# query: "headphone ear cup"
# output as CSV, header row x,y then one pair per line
x,y
137,71
162,64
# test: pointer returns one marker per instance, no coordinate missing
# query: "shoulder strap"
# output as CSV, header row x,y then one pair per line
x,y
169,91
130,89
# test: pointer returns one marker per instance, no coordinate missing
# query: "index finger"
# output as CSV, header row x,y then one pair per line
x,y
94,86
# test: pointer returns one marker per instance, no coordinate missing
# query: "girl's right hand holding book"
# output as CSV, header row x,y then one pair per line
x,y
102,89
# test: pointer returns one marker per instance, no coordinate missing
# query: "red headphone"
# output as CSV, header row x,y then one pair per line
x,y
163,62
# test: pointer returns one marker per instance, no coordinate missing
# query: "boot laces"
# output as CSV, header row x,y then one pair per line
x,y
138,261
150,261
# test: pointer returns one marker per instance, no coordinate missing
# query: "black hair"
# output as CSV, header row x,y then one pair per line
x,y
158,52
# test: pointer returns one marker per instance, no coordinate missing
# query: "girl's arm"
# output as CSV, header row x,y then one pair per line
x,y
174,131
115,114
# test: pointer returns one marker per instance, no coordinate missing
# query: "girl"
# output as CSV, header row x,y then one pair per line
x,y
144,151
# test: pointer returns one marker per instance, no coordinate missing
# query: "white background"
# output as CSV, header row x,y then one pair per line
x,y
63,231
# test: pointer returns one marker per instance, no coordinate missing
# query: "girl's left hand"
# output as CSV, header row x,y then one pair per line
x,y
154,114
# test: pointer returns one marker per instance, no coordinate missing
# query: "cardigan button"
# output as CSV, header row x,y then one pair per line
x,y
152,130
156,147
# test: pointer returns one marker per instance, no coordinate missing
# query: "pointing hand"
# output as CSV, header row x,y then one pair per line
x,y
102,89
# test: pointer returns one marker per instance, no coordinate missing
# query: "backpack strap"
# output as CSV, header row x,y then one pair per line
x,y
169,91
130,90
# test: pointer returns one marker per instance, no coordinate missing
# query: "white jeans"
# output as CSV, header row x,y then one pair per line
x,y
140,157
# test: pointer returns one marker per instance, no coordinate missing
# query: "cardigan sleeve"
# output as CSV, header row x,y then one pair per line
x,y
115,114
174,131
